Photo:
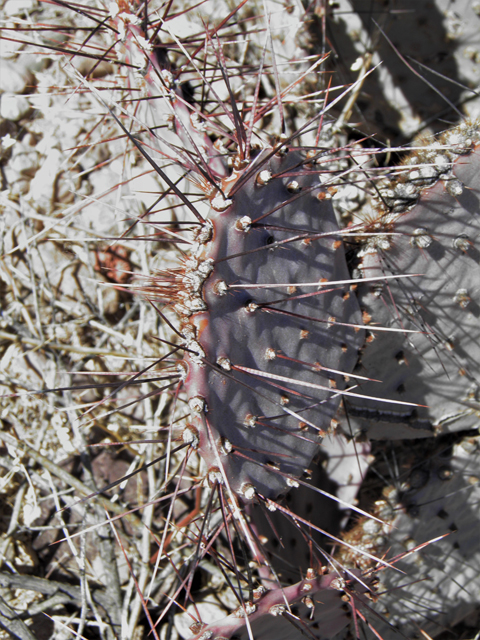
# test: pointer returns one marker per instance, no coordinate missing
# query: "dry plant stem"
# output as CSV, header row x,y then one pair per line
x,y
12,526
12,623
147,517
46,344
63,591
352,99
70,480
107,558
65,220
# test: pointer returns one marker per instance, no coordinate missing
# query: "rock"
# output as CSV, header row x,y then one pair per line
x,y
41,187
19,7
8,132
25,161
15,77
13,107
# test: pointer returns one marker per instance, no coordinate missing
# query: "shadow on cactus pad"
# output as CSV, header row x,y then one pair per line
x,y
431,357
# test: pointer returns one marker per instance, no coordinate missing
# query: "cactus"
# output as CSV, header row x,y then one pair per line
x,y
320,604
258,430
431,494
268,386
257,334
431,361
243,312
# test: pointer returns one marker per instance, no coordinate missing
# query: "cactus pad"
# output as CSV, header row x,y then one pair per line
x,y
264,364
315,607
436,366
441,581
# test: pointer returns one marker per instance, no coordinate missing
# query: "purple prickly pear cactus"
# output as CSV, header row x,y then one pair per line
x,y
436,498
166,100
431,358
269,334
266,356
321,611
